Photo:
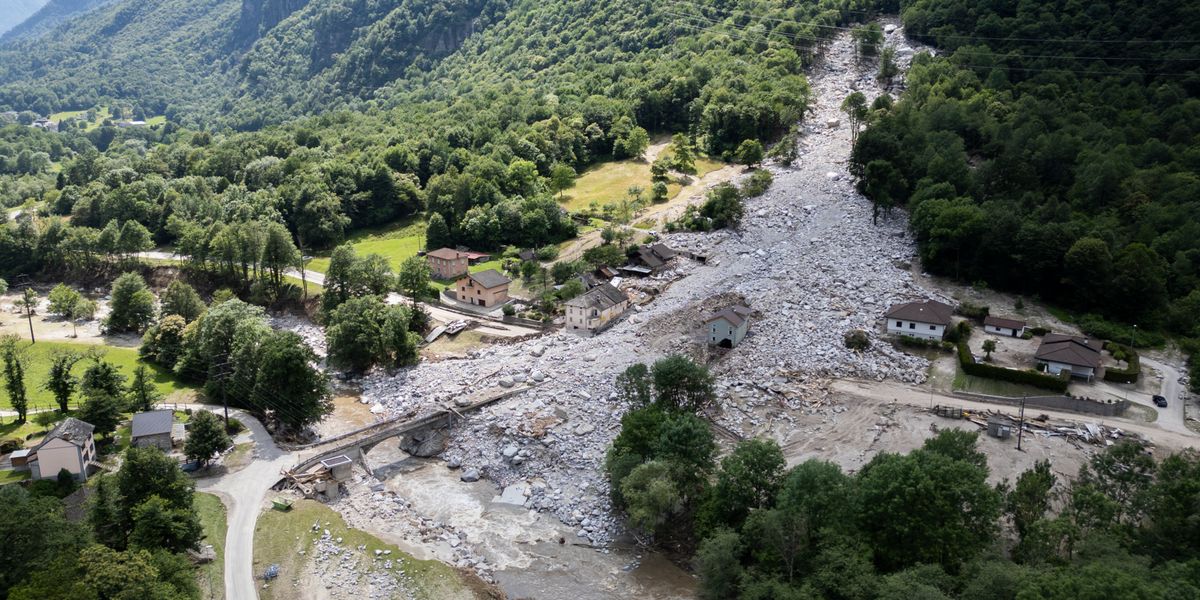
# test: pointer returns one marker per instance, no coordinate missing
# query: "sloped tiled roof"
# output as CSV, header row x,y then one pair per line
x,y
489,279
736,315
601,297
926,311
1069,350
72,430
447,254
1004,323
154,422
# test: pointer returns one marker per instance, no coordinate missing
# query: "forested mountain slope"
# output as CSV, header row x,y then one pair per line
x,y
15,12
51,14
1054,152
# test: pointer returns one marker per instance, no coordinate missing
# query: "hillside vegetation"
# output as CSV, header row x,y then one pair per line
x,y
1052,151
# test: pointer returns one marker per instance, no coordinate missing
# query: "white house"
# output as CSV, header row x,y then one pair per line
x,y
1005,327
596,309
1077,355
927,319
728,327
68,446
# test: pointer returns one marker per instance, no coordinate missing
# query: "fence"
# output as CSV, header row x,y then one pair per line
x,y
1104,408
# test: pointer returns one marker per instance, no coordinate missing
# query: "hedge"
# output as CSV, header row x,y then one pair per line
x,y
1033,378
1127,375
973,311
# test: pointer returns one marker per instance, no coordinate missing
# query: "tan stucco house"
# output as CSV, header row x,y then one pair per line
x,y
596,309
68,446
728,327
447,263
485,288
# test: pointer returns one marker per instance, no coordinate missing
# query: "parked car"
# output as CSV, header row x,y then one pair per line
x,y
1159,401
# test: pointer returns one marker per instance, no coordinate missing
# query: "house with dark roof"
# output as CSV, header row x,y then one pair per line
x,y
728,327
68,446
1079,356
152,429
925,319
654,257
446,263
596,309
485,288
1005,327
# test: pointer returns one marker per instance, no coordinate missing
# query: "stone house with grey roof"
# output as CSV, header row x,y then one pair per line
x,y
153,429
596,309
728,327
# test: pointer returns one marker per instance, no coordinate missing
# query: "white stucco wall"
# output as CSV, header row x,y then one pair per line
x,y
916,329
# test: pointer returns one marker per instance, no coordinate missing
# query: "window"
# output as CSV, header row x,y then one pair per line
x,y
899,323
933,327
912,325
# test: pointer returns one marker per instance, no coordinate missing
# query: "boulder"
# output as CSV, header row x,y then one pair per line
x,y
424,443
470,475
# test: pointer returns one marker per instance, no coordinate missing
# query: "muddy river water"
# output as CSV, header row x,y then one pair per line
x,y
532,555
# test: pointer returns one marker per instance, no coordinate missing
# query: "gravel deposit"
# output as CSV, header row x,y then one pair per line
x,y
806,259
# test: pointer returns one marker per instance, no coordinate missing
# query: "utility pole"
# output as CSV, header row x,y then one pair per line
x,y
1021,427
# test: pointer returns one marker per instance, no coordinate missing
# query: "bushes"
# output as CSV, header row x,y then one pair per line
x,y
1099,327
856,339
1129,374
916,342
973,311
1033,378
757,183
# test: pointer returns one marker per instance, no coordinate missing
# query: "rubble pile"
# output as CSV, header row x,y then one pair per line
x,y
353,572
807,259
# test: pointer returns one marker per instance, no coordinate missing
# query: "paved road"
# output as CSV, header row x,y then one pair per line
x,y
244,494
488,327
1172,416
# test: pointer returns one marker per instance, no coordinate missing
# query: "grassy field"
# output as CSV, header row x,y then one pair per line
x,y
102,113
280,536
37,369
607,183
395,243
210,578
993,387
7,477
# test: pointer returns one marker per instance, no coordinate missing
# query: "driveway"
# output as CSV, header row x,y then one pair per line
x,y
1172,416
244,494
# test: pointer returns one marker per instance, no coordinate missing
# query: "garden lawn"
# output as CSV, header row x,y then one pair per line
x,y
993,387
37,369
7,477
395,243
280,536
210,578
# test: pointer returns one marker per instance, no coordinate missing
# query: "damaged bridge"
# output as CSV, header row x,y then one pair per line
x,y
357,443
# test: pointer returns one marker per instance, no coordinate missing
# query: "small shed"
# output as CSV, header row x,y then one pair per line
x,y
20,459
152,429
1000,427
339,467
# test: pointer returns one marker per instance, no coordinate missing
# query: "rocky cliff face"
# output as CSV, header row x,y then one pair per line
x,y
259,16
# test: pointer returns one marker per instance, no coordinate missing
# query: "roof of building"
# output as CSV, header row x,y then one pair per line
x,y
1003,323
651,259
601,297
154,422
526,255
489,279
70,429
1069,350
736,315
473,255
589,281
447,254
925,311
663,252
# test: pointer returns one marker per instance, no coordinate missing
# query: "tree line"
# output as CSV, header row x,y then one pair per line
x,y
927,524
